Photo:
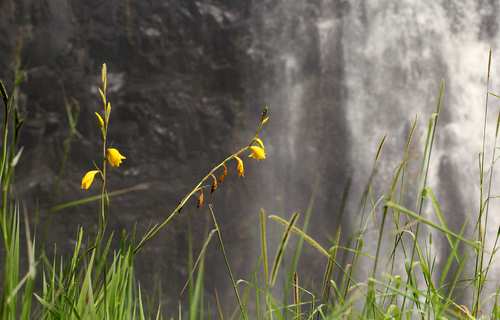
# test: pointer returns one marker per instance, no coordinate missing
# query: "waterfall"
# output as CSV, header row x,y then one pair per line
x,y
338,75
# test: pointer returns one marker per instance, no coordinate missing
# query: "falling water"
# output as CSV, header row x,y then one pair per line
x,y
339,75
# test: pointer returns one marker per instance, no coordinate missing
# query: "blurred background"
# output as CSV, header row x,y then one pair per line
x,y
187,82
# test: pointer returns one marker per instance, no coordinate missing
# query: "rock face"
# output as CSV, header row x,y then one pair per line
x,y
174,73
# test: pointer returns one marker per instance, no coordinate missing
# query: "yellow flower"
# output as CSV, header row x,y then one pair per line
x,y
114,157
257,153
240,169
99,119
89,177
265,120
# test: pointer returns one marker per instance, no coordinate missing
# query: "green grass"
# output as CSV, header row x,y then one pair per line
x,y
360,281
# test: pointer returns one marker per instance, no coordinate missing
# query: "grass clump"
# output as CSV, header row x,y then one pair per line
x,y
361,280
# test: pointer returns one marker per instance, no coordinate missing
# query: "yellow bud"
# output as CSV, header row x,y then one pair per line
x,y
102,95
104,76
108,111
99,119
260,142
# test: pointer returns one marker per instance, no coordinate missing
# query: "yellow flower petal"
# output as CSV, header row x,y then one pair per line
x,y
114,157
265,120
89,177
257,153
99,119
260,142
240,169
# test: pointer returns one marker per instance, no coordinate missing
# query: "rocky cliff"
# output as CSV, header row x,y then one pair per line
x,y
174,83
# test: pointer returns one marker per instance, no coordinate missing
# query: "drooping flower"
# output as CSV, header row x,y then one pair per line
x,y
89,177
240,169
99,119
114,157
257,153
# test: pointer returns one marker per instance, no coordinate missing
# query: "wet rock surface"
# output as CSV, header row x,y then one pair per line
x,y
174,85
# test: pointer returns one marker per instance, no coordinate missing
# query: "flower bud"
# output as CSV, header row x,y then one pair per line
x,y
101,122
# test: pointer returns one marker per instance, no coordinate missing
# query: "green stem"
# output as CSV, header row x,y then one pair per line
x,y
235,287
186,198
103,220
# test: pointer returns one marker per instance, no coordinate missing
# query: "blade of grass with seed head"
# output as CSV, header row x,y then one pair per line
x,y
325,289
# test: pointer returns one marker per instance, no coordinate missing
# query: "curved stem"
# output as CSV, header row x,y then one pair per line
x,y
155,229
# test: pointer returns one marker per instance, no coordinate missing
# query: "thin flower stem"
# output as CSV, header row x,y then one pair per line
x,y
103,222
186,198
152,232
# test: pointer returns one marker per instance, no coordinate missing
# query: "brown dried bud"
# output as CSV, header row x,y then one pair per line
x,y
466,310
224,174
214,184
200,199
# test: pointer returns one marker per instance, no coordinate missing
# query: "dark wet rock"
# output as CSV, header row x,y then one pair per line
x,y
175,91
